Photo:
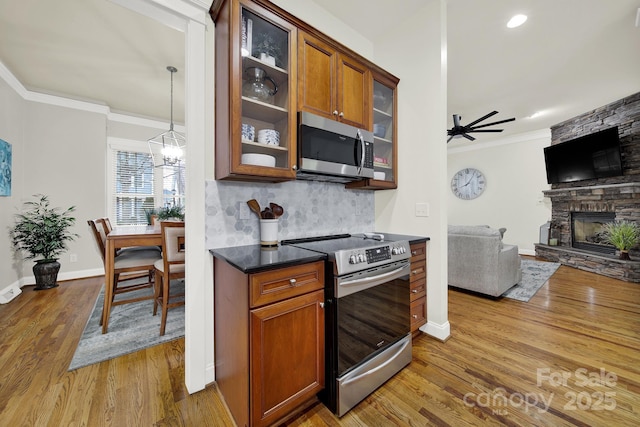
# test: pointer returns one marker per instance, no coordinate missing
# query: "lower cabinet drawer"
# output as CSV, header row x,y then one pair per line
x,y
418,313
418,288
277,285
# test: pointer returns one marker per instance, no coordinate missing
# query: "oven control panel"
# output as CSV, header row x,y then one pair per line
x,y
378,255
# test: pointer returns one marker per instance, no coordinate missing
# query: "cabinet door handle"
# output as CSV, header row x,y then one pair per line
x,y
414,271
321,305
292,282
341,114
415,316
335,112
414,253
415,291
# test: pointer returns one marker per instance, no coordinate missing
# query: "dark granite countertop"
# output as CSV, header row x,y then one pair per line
x,y
255,258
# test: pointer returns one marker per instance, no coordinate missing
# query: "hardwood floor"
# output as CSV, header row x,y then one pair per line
x,y
567,357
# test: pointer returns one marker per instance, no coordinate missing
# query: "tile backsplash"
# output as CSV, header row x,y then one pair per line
x,y
311,208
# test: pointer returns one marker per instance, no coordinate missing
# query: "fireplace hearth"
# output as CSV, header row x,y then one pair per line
x,y
587,231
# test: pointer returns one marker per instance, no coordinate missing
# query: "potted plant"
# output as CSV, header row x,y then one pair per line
x,y
169,213
624,235
43,232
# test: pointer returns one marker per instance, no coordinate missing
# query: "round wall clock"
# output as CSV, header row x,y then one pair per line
x,y
467,184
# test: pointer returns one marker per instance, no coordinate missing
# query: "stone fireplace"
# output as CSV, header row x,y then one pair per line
x,y
579,209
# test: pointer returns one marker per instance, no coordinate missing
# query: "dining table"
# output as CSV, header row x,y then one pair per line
x,y
124,237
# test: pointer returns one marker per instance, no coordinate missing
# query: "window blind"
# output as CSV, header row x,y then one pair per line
x,y
133,187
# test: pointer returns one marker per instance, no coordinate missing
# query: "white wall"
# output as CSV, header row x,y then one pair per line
x,y
12,114
516,176
59,149
421,67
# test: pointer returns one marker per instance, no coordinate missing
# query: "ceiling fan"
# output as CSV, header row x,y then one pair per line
x,y
459,130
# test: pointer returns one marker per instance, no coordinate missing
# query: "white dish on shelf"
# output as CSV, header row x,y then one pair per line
x,y
257,159
379,175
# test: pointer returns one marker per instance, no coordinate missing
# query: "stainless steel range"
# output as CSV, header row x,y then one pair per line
x,y
367,315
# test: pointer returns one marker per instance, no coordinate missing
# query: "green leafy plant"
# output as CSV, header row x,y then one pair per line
x,y
42,231
170,212
624,235
149,213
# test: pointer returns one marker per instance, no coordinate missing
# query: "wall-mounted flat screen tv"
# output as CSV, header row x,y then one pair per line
x,y
592,156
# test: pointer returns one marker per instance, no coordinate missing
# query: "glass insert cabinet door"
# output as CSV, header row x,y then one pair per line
x,y
263,77
384,134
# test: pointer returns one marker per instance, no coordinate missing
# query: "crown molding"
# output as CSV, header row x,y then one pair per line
x,y
513,139
75,104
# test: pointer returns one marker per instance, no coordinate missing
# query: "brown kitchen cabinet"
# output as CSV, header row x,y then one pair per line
x,y
418,285
255,86
269,340
385,145
332,83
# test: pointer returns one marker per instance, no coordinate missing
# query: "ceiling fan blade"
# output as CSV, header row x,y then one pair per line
x,y
494,123
493,113
450,138
485,130
469,137
456,120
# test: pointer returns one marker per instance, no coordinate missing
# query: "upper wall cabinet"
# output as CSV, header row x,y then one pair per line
x,y
255,93
331,83
385,146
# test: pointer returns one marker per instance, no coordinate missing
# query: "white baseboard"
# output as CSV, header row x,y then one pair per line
x,y
531,252
67,275
436,330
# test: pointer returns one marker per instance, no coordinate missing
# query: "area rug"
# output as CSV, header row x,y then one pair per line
x,y
534,275
132,327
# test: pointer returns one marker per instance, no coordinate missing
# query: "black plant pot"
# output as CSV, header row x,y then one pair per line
x,y
46,274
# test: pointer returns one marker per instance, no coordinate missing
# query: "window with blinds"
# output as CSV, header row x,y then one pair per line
x,y
137,187
134,189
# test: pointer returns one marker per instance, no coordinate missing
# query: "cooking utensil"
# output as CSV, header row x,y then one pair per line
x,y
267,214
276,209
254,206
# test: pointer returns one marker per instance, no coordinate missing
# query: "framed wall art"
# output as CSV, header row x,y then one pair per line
x,y
5,168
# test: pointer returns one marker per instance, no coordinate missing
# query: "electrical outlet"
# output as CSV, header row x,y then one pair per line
x,y
422,209
73,257
243,211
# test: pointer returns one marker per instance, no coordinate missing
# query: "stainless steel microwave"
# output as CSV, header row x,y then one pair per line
x,y
332,151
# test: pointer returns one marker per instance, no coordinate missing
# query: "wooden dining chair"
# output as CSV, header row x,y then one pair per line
x,y
170,267
128,265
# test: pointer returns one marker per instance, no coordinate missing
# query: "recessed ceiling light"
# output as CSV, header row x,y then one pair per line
x,y
516,21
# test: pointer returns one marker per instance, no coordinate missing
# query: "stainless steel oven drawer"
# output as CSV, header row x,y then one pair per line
x,y
362,381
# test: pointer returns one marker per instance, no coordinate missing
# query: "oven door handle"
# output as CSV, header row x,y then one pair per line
x,y
358,375
374,279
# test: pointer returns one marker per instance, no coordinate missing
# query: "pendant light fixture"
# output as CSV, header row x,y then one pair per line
x,y
167,148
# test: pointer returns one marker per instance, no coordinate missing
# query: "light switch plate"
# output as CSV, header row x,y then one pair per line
x,y
422,209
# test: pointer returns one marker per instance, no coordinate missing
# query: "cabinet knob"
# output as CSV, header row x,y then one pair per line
x,y
415,316
414,253
294,167
292,282
341,114
335,112
414,271
321,305
415,291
